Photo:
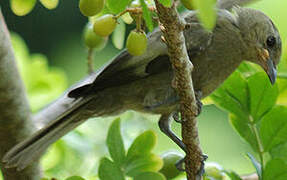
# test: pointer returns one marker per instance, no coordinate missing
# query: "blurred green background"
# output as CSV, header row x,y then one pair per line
x,y
57,34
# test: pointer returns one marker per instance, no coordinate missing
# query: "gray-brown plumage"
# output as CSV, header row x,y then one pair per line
x,y
143,83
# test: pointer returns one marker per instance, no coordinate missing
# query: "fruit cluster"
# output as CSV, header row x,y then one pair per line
x,y
96,36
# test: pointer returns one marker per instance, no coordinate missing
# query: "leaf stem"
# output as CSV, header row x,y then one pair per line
x,y
90,60
258,141
282,75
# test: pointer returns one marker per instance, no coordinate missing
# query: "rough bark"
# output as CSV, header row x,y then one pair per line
x,y
172,27
15,117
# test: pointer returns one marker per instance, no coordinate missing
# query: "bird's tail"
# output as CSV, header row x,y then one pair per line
x,y
32,148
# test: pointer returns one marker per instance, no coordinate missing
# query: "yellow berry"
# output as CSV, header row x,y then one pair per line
x,y
136,43
22,7
92,40
91,7
105,25
169,160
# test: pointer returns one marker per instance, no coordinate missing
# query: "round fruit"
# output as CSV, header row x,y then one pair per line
x,y
187,4
214,170
91,7
169,160
50,4
136,43
92,40
21,8
105,25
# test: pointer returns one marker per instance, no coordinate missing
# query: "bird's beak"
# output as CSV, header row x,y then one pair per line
x,y
268,65
271,71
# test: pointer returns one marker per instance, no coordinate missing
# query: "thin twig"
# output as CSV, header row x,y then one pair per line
x,y
172,28
90,59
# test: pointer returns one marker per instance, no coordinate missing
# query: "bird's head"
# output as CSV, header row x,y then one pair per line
x,y
262,40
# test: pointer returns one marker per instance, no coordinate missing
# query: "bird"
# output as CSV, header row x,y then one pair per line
x,y
143,83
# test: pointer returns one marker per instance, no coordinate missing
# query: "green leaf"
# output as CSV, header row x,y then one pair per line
x,y
140,164
279,151
262,95
256,164
22,7
147,15
115,142
207,13
118,37
149,175
275,169
233,95
143,144
273,129
75,178
232,175
50,4
166,3
117,6
108,170
243,128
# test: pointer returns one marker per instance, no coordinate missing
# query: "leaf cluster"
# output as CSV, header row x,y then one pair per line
x,y
250,99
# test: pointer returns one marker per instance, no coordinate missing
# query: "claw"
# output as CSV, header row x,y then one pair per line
x,y
180,166
176,117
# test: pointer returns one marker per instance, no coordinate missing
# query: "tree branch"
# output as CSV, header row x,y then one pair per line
x,y
15,117
172,27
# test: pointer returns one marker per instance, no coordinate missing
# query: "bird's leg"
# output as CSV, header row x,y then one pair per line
x,y
164,124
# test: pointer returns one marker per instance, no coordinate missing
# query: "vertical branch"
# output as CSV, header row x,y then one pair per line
x,y
172,27
15,117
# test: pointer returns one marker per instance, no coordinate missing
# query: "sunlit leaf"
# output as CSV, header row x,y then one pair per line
x,y
207,13
109,170
233,95
166,3
232,175
275,169
142,145
262,95
279,151
117,6
147,15
75,178
115,142
273,129
244,129
22,7
118,37
140,164
149,175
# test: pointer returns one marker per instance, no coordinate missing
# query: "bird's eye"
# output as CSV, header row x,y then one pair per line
x,y
271,41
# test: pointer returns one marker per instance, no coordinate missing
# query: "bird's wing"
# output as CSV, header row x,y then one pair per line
x,y
125,68
228,4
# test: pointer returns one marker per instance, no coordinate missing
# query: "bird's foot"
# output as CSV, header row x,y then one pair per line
x,y
181,167
177,117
